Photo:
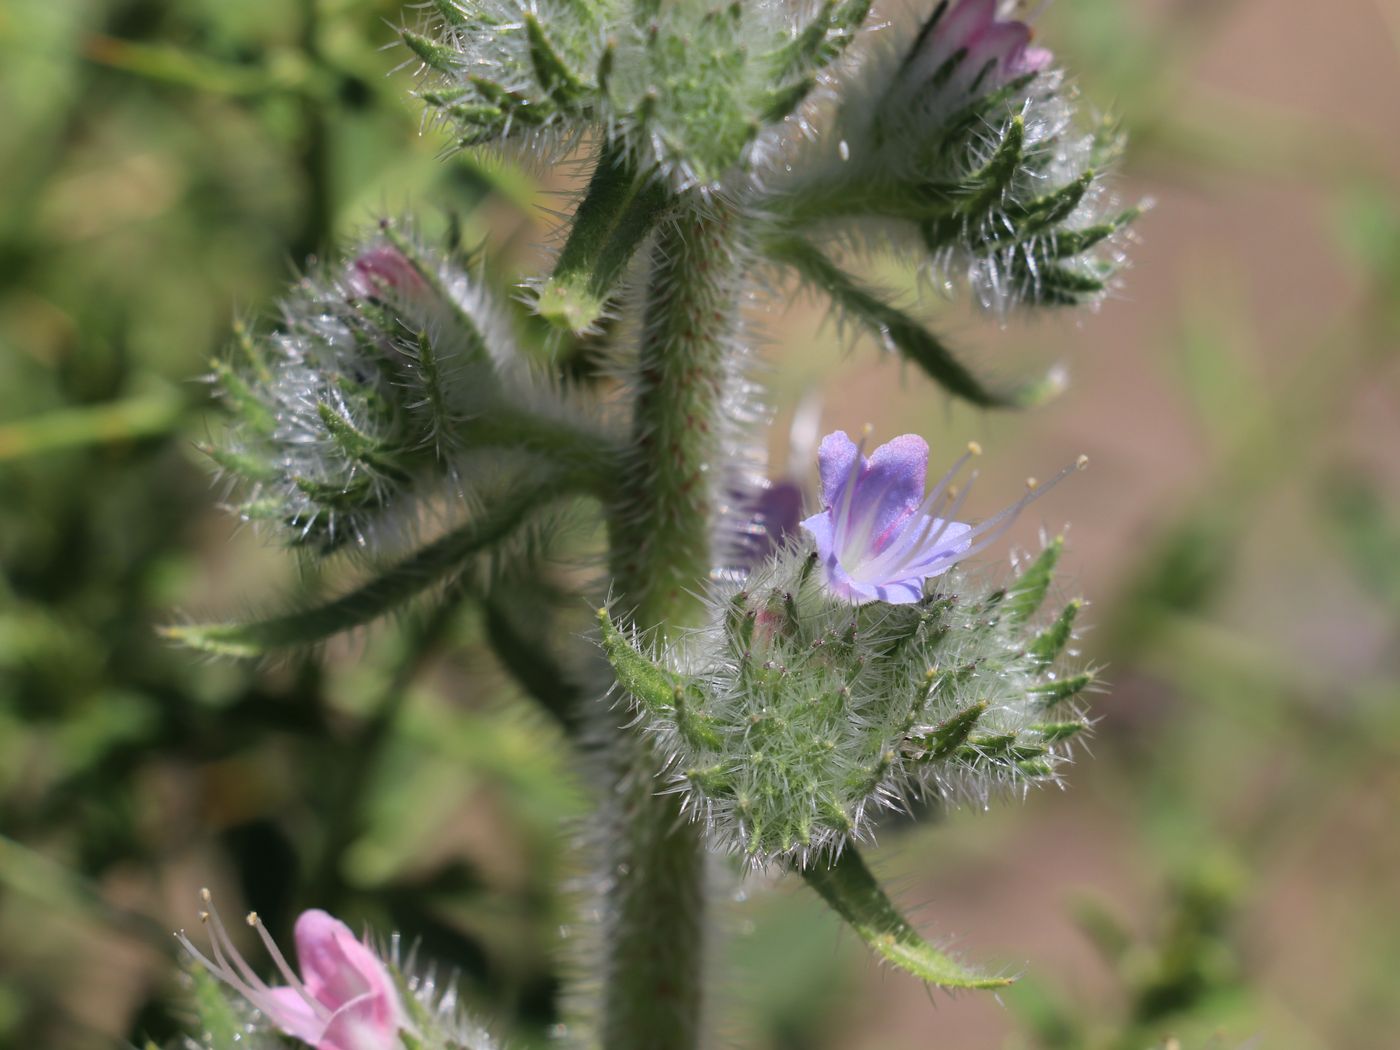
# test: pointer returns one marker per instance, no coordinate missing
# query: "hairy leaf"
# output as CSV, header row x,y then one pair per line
x,y
851,890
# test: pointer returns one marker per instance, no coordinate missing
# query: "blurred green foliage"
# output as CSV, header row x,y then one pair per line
x,y
164,168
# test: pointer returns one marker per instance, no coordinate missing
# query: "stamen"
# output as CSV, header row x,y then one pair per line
x,y
998,523
928,509
918,539
288,974
255,993
219,940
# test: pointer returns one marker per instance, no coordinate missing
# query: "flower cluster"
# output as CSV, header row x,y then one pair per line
x,y
688,90
345,997
386,376
837,680
966,146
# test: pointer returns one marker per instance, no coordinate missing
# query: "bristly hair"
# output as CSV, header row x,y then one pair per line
x,y
791,720
366,412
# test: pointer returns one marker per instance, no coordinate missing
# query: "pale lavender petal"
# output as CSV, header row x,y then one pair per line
x,y
873,541
835,458
779,511
286,1008
900,592
944,554
819,526
890,488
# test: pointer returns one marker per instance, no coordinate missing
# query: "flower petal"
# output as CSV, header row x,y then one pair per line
x,y
890,488
965,22
336,967
361,1024
1030,60
285,1008
835,459
819,527
1001,42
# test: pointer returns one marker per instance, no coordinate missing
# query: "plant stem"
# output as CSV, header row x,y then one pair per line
x,y
660,534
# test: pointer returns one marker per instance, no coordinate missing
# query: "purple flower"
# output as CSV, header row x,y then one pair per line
x,y
878,536
345,998
994,48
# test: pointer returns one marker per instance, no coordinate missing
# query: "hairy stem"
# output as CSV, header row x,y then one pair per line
x,y
660,533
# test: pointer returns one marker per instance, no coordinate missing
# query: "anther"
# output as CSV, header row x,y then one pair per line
x,y
974,448
1082,462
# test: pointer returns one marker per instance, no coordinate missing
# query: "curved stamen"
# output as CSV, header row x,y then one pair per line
x,y
288,975
219,940
919,540
1000,522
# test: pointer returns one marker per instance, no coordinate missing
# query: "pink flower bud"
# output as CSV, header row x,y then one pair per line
x,y
384,271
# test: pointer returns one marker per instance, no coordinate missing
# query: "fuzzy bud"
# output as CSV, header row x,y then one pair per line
x,y
795,717
385,373
964,144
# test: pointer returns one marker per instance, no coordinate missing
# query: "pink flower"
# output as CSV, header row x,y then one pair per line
x,y
345,998
985,48
878,536
383,270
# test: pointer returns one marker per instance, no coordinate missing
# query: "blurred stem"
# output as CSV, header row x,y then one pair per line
x,y
129,420
362,754
517,632
660,537
319,208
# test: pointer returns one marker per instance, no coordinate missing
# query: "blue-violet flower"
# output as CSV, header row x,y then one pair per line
x,y
878,536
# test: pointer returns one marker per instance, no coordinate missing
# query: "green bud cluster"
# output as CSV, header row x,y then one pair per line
x,y
998,185
378,391
795,717
687,87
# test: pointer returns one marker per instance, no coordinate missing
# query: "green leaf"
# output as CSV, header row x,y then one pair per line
x,y
1052,641
1027,594
852,892
433,54
1051,693
990,183
621,207
656,688
650,685
115,421
891,325
428,567
1055,732
553,73
954,730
